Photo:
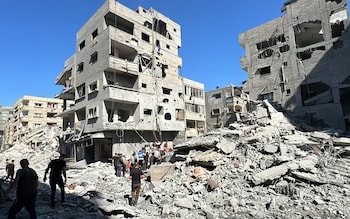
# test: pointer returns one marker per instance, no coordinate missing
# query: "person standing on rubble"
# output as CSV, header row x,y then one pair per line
x,y
136,175
27,183
118,164
10,169
58,168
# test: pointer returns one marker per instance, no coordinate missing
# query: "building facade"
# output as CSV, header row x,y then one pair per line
x,y
5,115
31,114
124,81
299,61
195,116
224,106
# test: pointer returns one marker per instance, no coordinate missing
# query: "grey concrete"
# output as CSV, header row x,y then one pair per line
x,y
299,61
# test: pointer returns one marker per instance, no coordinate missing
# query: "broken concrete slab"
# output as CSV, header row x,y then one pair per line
x,y
158,172
226,146
273,172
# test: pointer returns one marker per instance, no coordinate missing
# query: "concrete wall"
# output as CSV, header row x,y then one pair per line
x,y
299,61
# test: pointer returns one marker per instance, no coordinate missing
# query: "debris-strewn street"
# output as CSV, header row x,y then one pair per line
x,y
263,168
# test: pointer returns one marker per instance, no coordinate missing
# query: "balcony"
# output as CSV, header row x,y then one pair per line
x,y
123,65
121,94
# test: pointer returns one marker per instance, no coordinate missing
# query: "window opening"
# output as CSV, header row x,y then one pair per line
x,y
166,91
82,45
308,33
145,37
80,67
147,111
264,70
94,36
93,58
167,116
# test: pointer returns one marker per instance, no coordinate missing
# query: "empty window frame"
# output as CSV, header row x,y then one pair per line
x,y
50,115
93,87
159,26
119,22
217,95
148,24
266,96
38,105
215,112
147,112
265,54
167,116
94,36
92,113
270,42
81,45
308,33
264,70
80,67
194,92
166,90
93,58
284,48
145,37
81,90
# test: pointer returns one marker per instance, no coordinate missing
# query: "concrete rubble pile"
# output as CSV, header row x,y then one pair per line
x,y
264,168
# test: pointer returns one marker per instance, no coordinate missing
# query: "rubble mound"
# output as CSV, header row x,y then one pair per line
x,y
266,168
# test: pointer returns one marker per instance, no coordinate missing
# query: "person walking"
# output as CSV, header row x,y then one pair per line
x,y
136,175
10,169
58,168
27,182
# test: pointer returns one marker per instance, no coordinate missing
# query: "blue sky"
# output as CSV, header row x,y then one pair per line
x,y
38,36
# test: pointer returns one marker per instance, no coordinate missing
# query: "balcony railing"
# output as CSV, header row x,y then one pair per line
x,y
123,65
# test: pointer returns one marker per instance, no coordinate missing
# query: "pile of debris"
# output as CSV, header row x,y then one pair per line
x,y
267,168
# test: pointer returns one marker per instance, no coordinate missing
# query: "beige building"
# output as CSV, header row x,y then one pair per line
x,y
300,61
31,113
194,108
124,80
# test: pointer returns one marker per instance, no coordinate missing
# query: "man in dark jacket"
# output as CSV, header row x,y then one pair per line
x,y
27,183
10,169
58,168
136,175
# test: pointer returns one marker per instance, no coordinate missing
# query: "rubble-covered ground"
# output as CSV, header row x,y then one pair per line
x,y
266,168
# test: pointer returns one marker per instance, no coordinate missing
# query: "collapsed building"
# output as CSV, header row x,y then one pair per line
x,y
225,106
125,84
299,61
31,119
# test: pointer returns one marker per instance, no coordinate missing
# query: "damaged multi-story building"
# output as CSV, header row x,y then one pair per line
x,y
224,106
31,115
124,80
300,61
5,115
194,97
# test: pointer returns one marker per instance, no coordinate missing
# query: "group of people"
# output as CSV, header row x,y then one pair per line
x,y
26,183
26,180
